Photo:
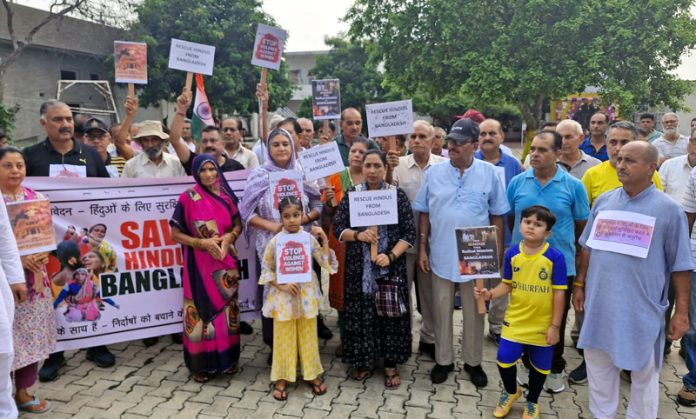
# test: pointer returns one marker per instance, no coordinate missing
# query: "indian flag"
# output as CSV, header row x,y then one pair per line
x,y
202,113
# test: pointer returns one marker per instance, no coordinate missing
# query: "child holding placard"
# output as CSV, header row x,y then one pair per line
x,y
535,276
294,306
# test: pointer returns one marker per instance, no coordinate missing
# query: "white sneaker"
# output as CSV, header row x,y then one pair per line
x,y
522,375
555,383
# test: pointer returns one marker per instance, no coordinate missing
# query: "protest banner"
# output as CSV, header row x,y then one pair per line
x,y
192,58
294,258
373,208
268,46
282,184
132,286
389,118
130,62
477,250
32,226
625,232
326,99
321,161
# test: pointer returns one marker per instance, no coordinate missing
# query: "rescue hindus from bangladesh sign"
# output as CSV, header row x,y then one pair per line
x,y
117,273
389,118
373,208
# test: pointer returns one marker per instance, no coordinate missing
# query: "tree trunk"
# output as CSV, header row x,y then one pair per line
x,y
531,114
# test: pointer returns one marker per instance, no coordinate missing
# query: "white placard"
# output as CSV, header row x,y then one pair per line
x,y
625,232
294,258
67,170
321,161
373,208
389,118
282,184
268,46
191,57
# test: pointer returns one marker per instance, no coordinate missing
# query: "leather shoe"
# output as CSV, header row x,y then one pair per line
x,y
427,349
49,370
477,375
440,373
101,356
245,328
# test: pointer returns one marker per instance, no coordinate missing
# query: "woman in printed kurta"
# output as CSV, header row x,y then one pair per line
x,y
34,327
206,222
368,336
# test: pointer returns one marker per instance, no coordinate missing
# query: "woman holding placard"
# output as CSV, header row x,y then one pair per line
x,y
259,208
207,224
376,310
34,327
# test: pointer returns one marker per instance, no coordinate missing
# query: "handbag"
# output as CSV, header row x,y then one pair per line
x,y
390,299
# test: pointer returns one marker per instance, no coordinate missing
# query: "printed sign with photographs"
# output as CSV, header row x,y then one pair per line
x,y
32,225
326,99
477,252
130,62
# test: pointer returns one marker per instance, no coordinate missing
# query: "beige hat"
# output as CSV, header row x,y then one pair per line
x,y
151,129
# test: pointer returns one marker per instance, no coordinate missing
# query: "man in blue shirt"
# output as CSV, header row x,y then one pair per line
x,y
464,192
490,139
548,185
595,144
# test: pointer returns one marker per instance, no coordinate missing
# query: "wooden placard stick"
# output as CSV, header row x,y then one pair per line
x,y
189,81
264,105
131,90
391,140
373,246
481,304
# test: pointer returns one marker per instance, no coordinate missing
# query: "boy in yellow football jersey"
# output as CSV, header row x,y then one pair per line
x,y
535,276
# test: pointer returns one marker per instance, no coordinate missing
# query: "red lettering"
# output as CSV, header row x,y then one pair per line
x,y
167,233
151,236
130,237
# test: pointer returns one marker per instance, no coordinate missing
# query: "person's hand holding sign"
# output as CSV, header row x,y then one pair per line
x,y
382,260
262,92
183,102
367,236
392,158
131,106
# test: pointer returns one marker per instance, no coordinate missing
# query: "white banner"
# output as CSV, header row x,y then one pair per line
x,y
135,291
389,118
191,57
321,161
373,208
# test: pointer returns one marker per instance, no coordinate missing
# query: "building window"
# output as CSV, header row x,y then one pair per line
x,y
93,76
294,77
68,75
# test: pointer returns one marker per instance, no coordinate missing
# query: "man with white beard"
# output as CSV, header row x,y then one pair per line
x,y
671,143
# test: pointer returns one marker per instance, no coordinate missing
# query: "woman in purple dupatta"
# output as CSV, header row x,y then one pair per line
x,y
206,222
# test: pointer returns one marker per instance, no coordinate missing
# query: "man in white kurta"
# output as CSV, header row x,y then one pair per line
x,y
11,284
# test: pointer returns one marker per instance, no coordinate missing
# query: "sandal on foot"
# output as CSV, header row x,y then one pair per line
x,y
201,377
34,406
279,393
392,381
317,385
232,371
360,375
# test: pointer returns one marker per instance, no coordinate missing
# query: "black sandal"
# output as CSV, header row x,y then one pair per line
x,y
201,377
282,394
316,386
360,374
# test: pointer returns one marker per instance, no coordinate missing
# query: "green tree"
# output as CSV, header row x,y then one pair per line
x,y
527,52
230,26
361,80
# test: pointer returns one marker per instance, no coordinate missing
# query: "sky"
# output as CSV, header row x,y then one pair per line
x,y
308,22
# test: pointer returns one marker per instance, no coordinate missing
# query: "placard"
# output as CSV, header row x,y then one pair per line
x,y
294,258
373,208
67,171
326,99
32,225
268,46
625,232
191,57
477,252
282,184
389,118
130,62
321,161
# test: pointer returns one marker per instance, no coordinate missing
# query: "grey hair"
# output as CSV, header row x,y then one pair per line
x,y
625,125
574,124
425,124
666,114
50,104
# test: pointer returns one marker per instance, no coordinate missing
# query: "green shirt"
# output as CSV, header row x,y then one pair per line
x,y
344,148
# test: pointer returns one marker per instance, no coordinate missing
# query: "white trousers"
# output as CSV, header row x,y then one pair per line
x,y
604,381
8,409
425,294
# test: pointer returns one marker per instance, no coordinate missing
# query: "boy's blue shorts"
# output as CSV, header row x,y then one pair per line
x,y
540,357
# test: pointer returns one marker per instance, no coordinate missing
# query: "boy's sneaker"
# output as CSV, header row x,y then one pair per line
x,y
686,397
531,411
578,375
505,403
555,383
522,375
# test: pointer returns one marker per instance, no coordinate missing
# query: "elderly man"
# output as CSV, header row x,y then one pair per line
x,y
438,142
595,144
547,185
153,161
647,122
351,127
624,319
408,175
490,139
464,192
671,143
572,158
232,137
307,133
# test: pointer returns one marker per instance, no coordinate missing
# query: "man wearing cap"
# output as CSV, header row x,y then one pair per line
x,y
60,154
232,137
211,140
464,192
97,136
547,185
351,127
153,161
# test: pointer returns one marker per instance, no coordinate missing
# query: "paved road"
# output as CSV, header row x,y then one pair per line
x,y
153,382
